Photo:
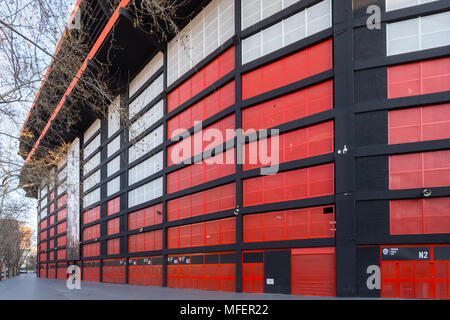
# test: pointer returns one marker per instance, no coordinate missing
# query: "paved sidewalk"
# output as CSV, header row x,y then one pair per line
x,y
29,287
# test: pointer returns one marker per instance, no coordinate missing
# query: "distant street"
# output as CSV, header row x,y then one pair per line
x,y
29,287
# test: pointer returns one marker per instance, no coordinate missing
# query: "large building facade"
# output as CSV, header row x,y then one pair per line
x,y
360,204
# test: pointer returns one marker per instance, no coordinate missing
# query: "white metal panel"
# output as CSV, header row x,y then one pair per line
x,y
150,93
146,144
92,130
403,36
272,38
91,147
305,23
213,26
62,174
91,198
149,70
318,17
113,146
114,117
149,118
252,48
418,34
184,50
145,169
44,201
295,28
61,189
113,166
91,164
435,30
145,193
253,11
226,20
270,7
43,190
113,186
172,60
196,45
43,213
400,4
91,181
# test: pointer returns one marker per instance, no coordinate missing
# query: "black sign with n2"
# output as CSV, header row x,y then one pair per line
x,y
405,253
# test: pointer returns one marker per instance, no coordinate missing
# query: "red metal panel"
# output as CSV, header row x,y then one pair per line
x,y
214,277
202,172
436,75
217,101
51,271
185,91
62,214
314,273
294,68
61,254
91,271
60,228
91,215
147,274
215,232
198,235
415,279
295,145
418,78
419,170
114,274
91,232
173,100
113,226
113,206
62,201
289,225
145,217
61,241
420,216
253,277
204,78
186,148
148,241
113,246
291,185
91,250
419,124
42,271
61,271
291,107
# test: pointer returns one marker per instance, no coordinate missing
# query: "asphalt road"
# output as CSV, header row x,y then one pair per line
x,y
29,287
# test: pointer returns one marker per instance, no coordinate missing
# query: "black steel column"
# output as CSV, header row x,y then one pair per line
x,y
164,204
103,192
124,135
238,124
344,149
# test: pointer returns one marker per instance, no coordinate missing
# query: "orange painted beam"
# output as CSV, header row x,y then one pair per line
x,y
83,67
58,47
